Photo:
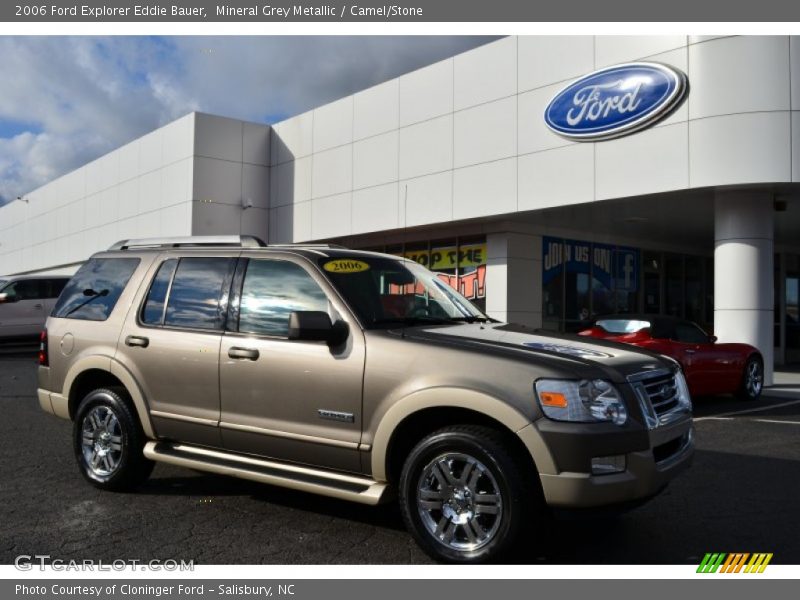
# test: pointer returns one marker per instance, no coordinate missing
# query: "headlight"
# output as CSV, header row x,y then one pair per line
x,y
684,399
584,401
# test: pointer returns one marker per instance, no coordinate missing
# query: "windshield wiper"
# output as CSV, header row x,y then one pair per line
x,y
92,295
473,319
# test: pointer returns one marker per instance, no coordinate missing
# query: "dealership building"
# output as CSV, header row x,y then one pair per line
x,y
690,209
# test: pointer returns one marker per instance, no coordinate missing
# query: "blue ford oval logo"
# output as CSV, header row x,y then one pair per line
x,y
616,101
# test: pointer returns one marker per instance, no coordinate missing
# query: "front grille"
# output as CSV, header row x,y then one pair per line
x,y
662,393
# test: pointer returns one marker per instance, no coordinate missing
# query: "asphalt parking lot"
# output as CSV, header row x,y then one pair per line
x,y
740,495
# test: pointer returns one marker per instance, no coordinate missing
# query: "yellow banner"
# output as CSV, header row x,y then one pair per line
x,y
448,257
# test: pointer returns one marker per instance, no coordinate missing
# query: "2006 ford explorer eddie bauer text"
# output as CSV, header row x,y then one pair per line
x,y
354,375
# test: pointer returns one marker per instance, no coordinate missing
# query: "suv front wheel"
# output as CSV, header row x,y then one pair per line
x,y
108,441
464,497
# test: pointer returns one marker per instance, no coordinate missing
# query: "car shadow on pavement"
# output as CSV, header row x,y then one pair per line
x,y
746,506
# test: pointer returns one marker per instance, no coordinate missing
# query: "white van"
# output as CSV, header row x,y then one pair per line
x,y
26,302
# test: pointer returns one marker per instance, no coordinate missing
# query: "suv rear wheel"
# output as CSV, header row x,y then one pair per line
x,y
464,497
108,441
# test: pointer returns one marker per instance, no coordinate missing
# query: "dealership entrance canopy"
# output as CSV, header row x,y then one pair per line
x,y
549,178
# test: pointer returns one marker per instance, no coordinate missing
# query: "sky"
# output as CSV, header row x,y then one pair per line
x,y
65,101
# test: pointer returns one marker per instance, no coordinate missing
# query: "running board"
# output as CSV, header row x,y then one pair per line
x,y
306,479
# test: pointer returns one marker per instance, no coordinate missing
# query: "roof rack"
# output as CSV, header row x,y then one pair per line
x,y
237,241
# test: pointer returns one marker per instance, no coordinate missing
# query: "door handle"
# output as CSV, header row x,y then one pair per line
x,y
690,351
38,306
248,353
137,340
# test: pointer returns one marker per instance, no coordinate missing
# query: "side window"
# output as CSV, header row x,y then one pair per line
x,y
272,290
25,289
196,293
153,310
689,333
93,291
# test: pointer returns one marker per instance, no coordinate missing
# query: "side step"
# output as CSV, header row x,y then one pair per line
x,y
306,479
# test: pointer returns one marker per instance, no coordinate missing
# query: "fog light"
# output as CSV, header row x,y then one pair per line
x,y
604,465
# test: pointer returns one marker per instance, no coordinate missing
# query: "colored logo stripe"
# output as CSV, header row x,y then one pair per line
x,y
734,562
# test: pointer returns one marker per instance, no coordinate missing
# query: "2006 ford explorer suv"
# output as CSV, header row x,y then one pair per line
x,y
354,375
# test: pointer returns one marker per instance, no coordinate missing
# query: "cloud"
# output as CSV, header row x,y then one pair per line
x,y
68,100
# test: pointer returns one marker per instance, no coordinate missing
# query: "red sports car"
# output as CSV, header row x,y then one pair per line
x,y
710,368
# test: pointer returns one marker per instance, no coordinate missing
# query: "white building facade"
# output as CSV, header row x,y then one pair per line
x,y
453,165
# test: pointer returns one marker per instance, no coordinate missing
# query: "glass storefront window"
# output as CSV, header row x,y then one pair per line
x,y
673,289
603,300
693,289
652,282
472,271
626,279
581,280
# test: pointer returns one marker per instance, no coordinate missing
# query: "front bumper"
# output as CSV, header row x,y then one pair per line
x,y
647,471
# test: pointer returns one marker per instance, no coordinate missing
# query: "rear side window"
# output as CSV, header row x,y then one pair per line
x,y
93,291
55,287
153,311
272,290
195,299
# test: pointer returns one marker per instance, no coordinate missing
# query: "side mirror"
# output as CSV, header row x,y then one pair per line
x,y
712,339
6,299
316,326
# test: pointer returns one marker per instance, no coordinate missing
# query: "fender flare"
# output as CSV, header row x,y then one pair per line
x,y
113,367
442,397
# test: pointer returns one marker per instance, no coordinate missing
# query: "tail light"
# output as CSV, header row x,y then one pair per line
x,y
44,357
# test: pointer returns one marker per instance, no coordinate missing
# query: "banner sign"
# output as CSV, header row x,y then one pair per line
x,y
616,267
449,257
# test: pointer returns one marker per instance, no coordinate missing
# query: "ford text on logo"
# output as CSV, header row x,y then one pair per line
x,y
616,101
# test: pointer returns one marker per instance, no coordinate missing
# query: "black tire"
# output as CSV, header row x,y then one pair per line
x,y
114,439
520,500
752,379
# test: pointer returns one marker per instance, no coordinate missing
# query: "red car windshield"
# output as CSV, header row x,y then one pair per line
x,y
622,325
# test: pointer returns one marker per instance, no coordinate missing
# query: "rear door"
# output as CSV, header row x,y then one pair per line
x,y
171,341
289,399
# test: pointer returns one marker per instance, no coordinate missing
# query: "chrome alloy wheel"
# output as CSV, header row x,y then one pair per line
x,y
101,441
753,378
459,501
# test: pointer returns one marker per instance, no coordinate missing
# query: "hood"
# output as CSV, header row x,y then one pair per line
x,y
578,355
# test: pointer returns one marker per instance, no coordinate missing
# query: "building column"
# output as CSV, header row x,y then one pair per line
x,y
743,278
514,278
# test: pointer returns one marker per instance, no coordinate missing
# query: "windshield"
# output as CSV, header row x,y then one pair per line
x,y
622,325
387,291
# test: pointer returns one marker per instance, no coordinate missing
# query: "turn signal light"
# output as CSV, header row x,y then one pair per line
x,y
553,399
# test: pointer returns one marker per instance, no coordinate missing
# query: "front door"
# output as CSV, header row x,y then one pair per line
x,y
289,399
705,365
